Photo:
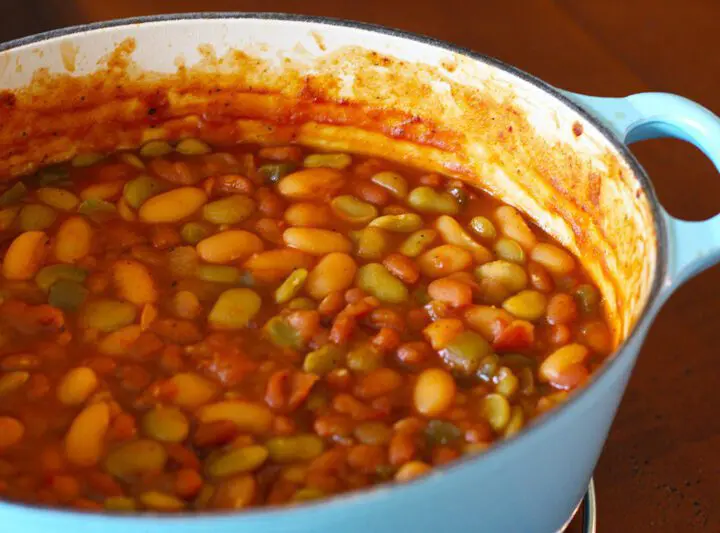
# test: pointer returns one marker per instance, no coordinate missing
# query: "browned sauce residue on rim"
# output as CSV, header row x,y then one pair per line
x,y
466,132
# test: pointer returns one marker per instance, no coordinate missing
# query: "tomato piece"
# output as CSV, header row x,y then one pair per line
x,y
519,335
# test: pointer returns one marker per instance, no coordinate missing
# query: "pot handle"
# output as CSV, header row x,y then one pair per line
x,y
694,246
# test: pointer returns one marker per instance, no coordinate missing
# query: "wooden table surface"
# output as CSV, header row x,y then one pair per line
x,y
660,470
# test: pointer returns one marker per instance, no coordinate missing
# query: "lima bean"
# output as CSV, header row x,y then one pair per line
x,y
428,200
136,458
375,279
230,210
352,210
295,448
393,182
36,217
234,309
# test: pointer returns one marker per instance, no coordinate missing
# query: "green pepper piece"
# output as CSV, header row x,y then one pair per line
x,y
460,195
67,295
323,360
273,172
517,361
442,432
246,279
194,232
97,210
282,334
13,195
588,298
48,276
465,352
488,367
55,176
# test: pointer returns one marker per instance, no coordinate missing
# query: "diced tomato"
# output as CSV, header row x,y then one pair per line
x,y
300,386
519,335
32,319
287,390
229,366
275,390
342,328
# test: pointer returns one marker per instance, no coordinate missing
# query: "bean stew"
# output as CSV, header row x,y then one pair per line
x,y
185,328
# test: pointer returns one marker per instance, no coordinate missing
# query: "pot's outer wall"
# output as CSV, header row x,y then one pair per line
x,y
341,88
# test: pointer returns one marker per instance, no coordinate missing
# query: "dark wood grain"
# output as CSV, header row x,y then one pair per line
x,y
660,471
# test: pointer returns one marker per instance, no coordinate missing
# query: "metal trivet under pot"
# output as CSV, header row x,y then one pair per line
x,y
585,514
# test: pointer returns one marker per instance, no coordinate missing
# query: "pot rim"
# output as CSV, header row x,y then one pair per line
x,y
635,334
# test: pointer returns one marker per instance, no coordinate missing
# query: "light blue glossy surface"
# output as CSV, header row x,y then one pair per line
x,y
527,484
694,246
